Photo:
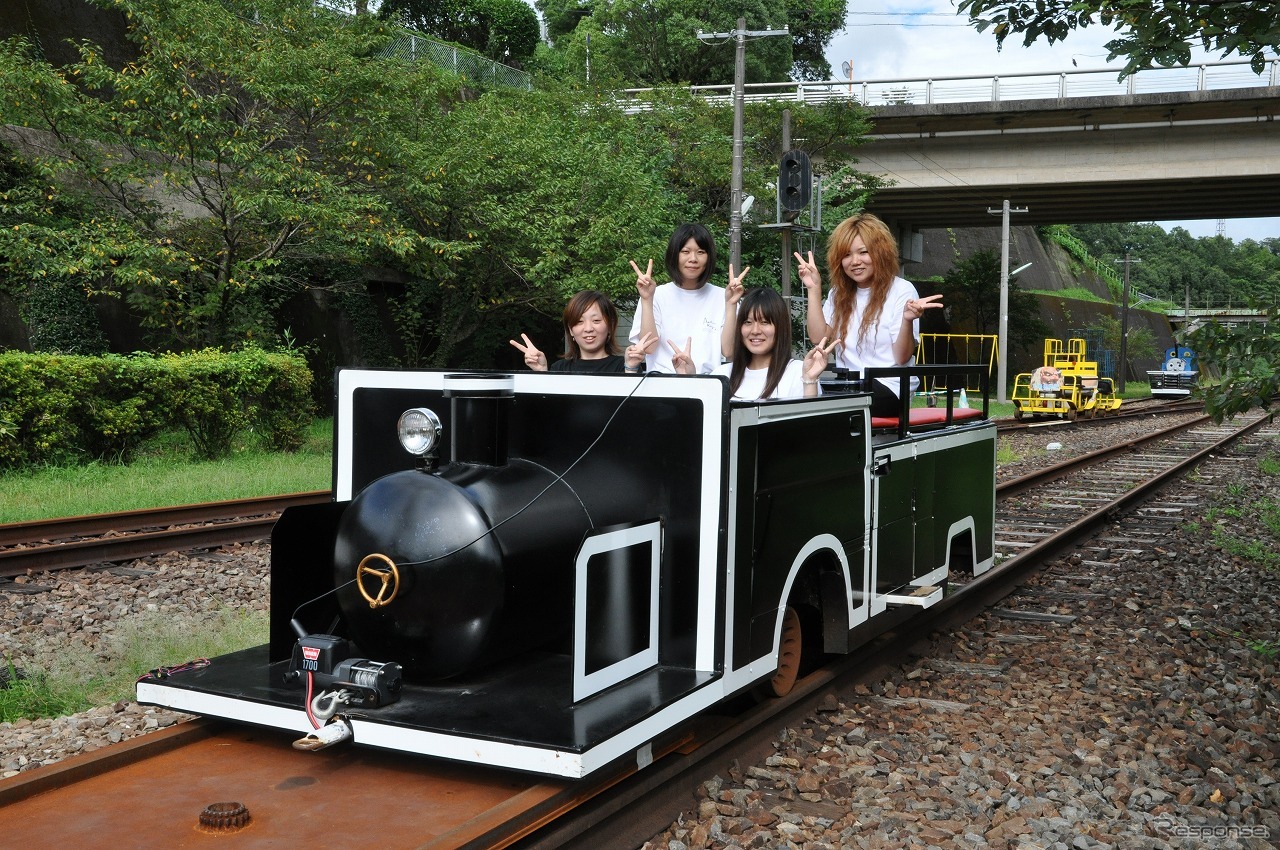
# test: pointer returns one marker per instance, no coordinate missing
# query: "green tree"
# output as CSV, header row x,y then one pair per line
x,y
548,196
555,191
503,30
246,138
1215,270
813,23
40,225
1141,341
1149,33
1246,358
971,292
656,41
236,163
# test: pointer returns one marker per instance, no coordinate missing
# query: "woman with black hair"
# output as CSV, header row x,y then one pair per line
x,y
761,367
688,309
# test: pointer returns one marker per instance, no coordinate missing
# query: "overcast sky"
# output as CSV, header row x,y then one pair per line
x,y
895,39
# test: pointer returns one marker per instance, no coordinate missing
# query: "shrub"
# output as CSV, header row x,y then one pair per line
x,y
65,408
216,395
40,395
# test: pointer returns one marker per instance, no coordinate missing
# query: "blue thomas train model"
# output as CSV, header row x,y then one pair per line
x,y
1178,377
550,572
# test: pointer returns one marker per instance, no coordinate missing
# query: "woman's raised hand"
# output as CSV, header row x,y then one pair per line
x,y
815,362
635,353
809,275
915,307
681,358
733,292
644,280
533,358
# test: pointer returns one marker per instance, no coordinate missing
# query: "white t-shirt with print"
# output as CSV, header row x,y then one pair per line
x,y
682,314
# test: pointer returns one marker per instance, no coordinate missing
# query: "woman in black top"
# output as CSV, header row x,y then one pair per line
x,y
590,323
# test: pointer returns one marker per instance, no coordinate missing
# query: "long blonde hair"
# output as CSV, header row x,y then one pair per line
x,y
883,249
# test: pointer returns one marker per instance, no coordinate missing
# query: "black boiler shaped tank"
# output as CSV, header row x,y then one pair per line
x,y
484,549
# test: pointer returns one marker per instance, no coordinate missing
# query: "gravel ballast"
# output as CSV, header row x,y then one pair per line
x,y
1149,721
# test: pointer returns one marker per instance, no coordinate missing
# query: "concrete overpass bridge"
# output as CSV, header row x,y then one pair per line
x,y
1070,147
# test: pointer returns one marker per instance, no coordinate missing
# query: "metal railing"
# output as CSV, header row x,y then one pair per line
x,y
458,60
1101,82
415,46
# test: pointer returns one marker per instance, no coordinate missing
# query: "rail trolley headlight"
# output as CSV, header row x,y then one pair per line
x,y
419,431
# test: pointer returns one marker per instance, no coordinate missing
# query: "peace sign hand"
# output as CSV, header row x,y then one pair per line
x,y
644,279
809,274
682,359
533,358
733,292
815,362
915,307
635,354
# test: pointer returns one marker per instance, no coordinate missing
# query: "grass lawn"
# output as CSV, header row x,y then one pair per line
x,y
164,474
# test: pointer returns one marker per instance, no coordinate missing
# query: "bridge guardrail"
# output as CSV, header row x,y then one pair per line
x,y
1100,82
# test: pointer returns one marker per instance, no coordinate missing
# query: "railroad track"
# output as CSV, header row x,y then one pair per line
x,y
106,538
364,793
1087,498
103,538
1129,410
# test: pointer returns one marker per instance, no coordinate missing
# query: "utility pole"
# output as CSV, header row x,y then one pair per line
x,y
739,81
1124,322
1002,332
786,231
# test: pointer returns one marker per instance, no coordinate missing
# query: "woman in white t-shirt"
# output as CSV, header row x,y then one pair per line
x,y
689,310
761,367
872,312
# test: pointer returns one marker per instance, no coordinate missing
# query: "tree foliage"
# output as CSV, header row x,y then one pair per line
x,y
235,145
549,196
1140,342
1248,360
1149,33
239,161
971,291
503,30
656,41
1214,271
41,224
558,192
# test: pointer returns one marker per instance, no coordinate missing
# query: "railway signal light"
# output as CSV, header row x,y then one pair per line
x,y
795,183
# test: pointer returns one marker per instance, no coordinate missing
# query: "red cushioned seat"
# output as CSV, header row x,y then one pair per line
x,y
920,416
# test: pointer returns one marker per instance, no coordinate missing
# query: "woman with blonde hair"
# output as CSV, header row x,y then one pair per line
x,y
874,313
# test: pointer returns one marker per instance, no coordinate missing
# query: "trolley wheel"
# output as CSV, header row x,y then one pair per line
x,y
789,652
1017,413
1070,414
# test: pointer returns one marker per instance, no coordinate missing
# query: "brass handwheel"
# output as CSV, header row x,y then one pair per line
x,y
389,578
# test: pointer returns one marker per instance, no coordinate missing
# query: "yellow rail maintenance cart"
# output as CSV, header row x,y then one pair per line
x,y
1066,386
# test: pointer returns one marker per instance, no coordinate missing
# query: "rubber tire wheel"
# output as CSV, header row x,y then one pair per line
x,y
789,653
